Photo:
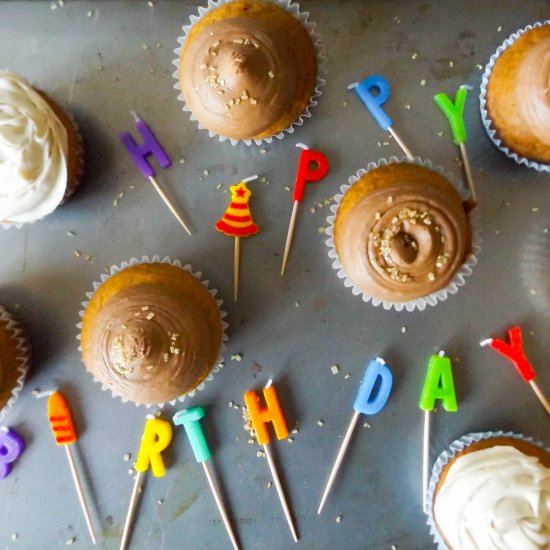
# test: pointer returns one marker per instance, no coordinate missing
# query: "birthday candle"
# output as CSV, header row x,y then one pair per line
x,y
304,174
12,446
374,91
367,401
514,352
455,115
190,420
438,386
156,438
260,417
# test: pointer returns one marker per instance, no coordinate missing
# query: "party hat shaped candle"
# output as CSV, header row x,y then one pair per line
x,y
237,222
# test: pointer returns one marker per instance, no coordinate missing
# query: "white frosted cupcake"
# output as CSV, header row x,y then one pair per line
x,y
491,491
40,152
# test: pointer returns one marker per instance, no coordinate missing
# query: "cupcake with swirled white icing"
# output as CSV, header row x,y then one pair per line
x,y
40,152
515,96
491,491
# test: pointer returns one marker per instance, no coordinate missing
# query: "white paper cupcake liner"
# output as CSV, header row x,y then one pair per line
x,y
491,131
68,193
198,275
444,458
431,299
294,9
23,356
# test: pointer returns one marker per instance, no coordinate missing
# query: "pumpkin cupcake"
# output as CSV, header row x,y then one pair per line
x,y
515,99
152,332
15,355
249,69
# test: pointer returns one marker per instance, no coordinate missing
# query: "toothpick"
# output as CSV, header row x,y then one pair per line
x,y
289,235
339,459
168,203
221,506
540,395
280,491
236,262
425,459
131,511
472,201
401,144
80,492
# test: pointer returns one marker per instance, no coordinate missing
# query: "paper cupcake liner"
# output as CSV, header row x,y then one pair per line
x,y
431,299
294,9
444,458
23,356
491,131
68,192
198,275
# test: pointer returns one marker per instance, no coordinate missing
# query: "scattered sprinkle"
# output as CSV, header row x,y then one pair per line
x,y
439,134
431,276
312,210
346,376
423,82
345,103
531,333
71,233
403,329
236,357
479,66
115,202
287,188
414,55
393,547
366,425
263,151
532,292
338,519
151,4
90,13
160,501
535,209
290,440
145,46
205,172
219,186
182,161
321,230
70,541
127,457
499,28
320,423
408,106
297,304
144,308
269,484
260,454
14,536
451,64
397,20
294,431
270,74
150,316
77,253
231,404
335,369
130,471
99,68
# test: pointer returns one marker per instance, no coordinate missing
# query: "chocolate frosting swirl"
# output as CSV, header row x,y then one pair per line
x,y
404,240
242,74
150,344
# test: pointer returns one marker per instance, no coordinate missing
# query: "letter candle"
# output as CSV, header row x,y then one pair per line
x,y
139,154
237,222
303,175
156,437
189,419
439,384
366,402
260,418
514,352
455,114
373,92
11,448
64,433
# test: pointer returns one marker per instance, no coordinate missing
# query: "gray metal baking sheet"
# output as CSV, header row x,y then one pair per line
x,y
100,60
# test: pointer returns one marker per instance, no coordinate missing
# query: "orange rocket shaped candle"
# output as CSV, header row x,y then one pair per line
x,y
237,222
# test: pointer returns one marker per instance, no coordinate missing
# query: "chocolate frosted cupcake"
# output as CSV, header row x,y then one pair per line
x,y
491,491
515,100
400,235
152,332
248,69
15,355
40,152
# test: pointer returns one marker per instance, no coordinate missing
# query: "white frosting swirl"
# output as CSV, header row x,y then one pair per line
x,y
495,499
33,153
